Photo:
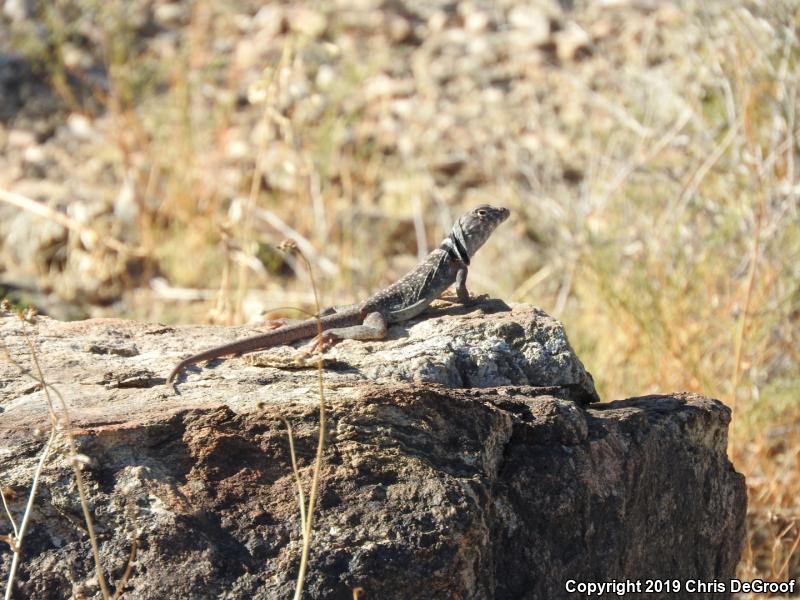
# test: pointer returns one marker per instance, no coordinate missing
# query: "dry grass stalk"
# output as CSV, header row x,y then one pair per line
x,y
19,534
307,512
37,208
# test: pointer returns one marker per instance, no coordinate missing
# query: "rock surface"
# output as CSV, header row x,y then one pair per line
x,y
494,487
112,371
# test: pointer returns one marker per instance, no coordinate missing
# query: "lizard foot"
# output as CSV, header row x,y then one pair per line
x,y
476,299
325,340
320,343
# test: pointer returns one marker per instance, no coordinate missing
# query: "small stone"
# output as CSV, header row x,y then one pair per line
x,y
170,14
21,138
571,40
479,46
80,126
269,20
16,10
399,29
257,91
237,149
493,95
34,155
325,77
247,53
602,28
437,21
476,22
532,21
307,21
669,14
380,86
74,57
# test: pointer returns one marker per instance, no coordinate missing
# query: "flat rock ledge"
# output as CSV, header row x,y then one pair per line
x,y
466,459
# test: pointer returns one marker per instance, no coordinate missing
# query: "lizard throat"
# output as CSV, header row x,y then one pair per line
x,y
454,245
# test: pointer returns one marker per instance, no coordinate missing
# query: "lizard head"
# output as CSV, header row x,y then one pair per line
x,y
475,227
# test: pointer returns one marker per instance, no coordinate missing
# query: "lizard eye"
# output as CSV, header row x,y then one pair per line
x,y
482,212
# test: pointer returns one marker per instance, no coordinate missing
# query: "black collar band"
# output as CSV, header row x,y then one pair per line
x,y
463,255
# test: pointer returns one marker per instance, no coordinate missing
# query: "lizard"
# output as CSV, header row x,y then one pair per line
x,y
405,299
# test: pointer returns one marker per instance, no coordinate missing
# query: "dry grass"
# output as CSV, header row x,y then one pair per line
x,y
701,289
690,282
307,510
654,182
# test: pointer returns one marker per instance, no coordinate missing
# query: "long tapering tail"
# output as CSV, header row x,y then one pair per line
x,y
277,337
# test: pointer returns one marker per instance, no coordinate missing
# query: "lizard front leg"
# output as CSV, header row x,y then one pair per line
x,y
461,285
372,328
461,288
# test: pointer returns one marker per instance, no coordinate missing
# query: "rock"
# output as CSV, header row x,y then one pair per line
x,y
28,101
464,491
488,344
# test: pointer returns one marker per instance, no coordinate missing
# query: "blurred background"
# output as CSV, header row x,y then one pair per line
x,y
155,153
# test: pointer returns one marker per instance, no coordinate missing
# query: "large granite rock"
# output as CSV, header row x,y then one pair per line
x,y
464,461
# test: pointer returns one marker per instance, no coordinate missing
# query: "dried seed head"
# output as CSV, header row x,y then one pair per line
x,y
11,541
9,493
289,246
81,461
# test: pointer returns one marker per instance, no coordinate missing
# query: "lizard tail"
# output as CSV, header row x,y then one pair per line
x,y
277,337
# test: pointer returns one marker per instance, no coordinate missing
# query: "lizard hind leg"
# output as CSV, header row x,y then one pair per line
x,y
372,328
336,308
